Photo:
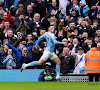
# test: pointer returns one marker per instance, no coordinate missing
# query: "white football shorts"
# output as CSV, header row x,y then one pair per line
x,y
48,54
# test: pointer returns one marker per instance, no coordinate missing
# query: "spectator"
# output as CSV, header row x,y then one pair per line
x,y
1,14
48,74
21,25
67,61
36,20
26,57
7,17
75,42
1,2
29,12
29,39
52,6
79,60
10,36
10,64
3,54
83,8
18,51
40,8
96,39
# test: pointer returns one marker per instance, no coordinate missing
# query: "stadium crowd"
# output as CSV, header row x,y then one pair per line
x,y
76,22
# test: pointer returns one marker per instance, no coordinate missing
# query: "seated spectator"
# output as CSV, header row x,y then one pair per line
x,y
48,74
10,64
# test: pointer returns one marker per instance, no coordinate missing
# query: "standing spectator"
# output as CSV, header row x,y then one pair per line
x,y
30,12
83,8
63,4
1,2
1,14
79,60
75,42
29,39
7,17
26,57
52,6
40,8
21,25
67,61
36,21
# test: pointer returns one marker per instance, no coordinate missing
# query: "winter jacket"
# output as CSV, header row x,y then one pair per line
x,y
8,62
8,19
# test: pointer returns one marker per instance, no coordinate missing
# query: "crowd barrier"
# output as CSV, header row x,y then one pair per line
x,y
31,75
75,78
28,75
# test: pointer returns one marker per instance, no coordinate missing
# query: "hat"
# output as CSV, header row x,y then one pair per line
x,y
9,56
83,1
64,40
48,63
80,48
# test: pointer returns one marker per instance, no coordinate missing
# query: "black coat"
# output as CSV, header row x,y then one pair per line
x,y
67,64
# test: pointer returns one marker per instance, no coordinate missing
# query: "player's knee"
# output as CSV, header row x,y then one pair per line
x,y
39,63
58,62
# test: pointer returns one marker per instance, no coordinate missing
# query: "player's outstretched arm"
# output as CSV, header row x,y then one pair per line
x,y
57,42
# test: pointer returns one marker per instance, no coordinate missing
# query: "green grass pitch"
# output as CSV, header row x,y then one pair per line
x,y
49,86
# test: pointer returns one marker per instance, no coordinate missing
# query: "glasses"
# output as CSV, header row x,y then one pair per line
x,y
25,50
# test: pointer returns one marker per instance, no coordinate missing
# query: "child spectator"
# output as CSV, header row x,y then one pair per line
x,y
10,64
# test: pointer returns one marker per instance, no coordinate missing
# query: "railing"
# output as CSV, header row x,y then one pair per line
x,y
75,77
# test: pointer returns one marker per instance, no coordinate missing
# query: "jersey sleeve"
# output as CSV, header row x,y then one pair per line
x,y
40,38
55,41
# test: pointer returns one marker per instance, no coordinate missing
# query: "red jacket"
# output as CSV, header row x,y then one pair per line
x,y
8,19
